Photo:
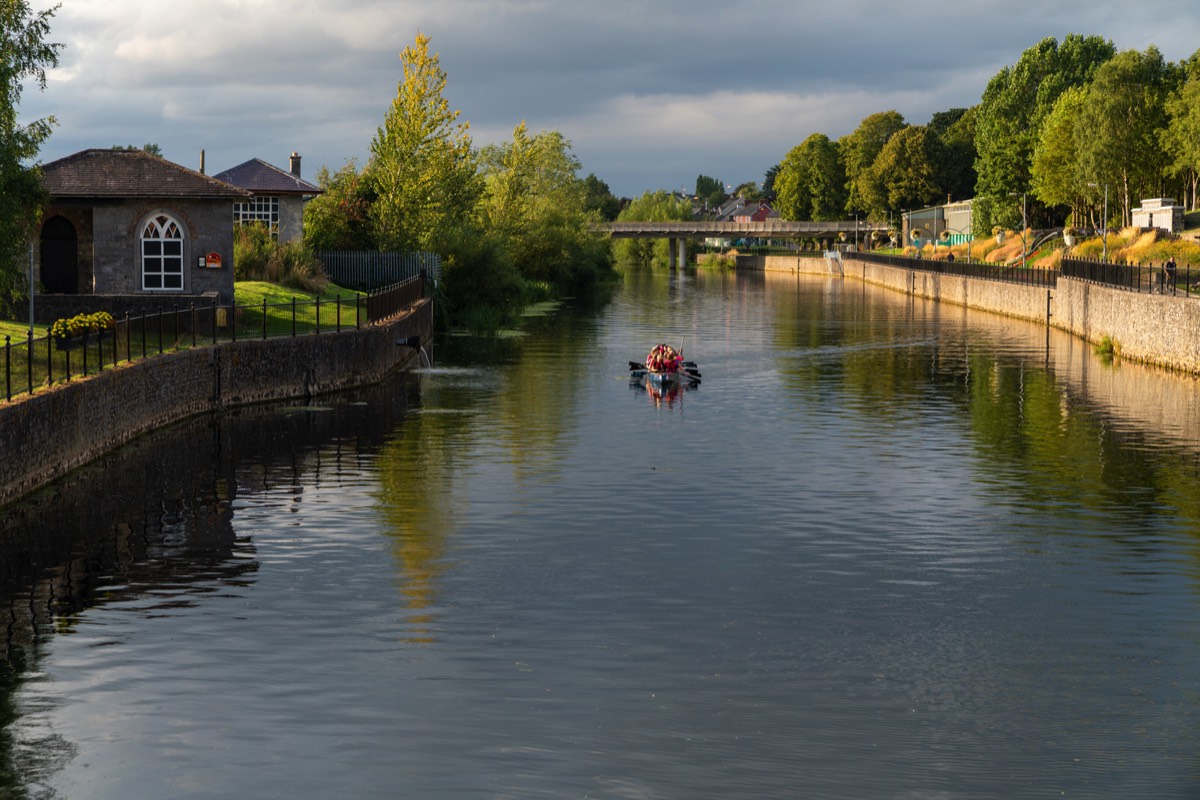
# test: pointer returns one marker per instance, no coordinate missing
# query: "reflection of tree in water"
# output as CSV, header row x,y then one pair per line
x,y
154,517
492,410
1063,452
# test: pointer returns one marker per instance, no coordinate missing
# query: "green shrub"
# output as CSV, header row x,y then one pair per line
x,y
258,257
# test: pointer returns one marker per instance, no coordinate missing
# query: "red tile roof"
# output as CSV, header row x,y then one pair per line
x,y
130,173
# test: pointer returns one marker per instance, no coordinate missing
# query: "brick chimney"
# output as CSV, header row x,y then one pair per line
x,y
294,164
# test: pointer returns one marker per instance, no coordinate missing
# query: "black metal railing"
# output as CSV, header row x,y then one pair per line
x,y
1029,276
33,362
1147,278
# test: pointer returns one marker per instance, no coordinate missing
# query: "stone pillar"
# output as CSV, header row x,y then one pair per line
x,y
682,253
672,250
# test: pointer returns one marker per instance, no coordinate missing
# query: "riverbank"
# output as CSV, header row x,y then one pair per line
x,y
46,435
1162,330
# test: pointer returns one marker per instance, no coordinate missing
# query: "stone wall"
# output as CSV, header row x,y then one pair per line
x,y
45,435
1163,330
1159,329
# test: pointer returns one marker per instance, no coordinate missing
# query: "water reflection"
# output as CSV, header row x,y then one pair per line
x,y
151,528
891,549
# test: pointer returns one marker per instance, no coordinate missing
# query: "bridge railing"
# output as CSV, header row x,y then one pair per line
x,y
771,228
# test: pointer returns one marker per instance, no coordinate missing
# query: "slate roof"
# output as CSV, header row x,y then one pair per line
x,y
260,177
129,174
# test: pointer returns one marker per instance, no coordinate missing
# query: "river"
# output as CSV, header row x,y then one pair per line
x,y
886,549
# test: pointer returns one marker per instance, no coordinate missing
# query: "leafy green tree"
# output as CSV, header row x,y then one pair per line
x,y
906,174
656,206
858,151
1124,117
811,182
748,191
956,131
1056,174
599,198
340,217
24,54
536,202
422,162
711,191
768,184
1181,139
1011,113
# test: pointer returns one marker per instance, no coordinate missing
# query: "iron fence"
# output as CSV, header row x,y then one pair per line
x,y
1028,276
1149,278
366,271
35,362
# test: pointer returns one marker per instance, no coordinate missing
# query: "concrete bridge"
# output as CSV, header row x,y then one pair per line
x,y
677,233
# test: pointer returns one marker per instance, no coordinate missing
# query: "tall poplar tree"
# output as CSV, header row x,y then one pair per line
x,y
24,54
422,163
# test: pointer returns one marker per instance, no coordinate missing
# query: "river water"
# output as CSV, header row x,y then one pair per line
x,y
887,549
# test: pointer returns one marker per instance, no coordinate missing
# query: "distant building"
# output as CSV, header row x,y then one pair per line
x,y
1161,213
754,212
277,196
946,224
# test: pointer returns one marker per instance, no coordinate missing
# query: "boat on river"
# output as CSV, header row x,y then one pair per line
x,y
664,366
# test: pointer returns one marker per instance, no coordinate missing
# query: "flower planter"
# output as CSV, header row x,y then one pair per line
x,y
72,342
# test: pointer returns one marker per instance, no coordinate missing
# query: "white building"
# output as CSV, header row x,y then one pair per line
x,y
1161,213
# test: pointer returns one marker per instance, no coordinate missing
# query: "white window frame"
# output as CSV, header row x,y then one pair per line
x,y
162,249
259,208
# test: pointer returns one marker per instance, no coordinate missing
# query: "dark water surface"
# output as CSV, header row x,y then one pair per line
x,y
887,549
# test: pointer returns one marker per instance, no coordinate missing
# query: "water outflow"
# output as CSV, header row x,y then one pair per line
x,y
425,359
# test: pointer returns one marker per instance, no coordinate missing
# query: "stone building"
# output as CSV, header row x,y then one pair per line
x,y
127,231
277,199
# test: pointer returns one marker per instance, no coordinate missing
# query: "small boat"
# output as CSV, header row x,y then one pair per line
x,y
664,366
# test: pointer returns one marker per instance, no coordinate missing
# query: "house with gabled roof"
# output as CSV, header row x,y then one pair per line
x,y
277,196
134,229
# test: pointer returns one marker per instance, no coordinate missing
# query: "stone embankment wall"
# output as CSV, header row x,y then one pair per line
x,y
45,435
1163,330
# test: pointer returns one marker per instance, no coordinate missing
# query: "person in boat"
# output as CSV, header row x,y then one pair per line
x,y
664,358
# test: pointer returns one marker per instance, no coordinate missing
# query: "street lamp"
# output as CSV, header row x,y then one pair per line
x,y
1024,227
1104,221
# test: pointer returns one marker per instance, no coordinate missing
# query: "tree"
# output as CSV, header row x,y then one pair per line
x,y
905,175
1181,139
422,163
1056,176
810,184
768,184
24,54
340,217
1014,106
858,151
1124,117
536,203
711,191
657,206
955,130
599,198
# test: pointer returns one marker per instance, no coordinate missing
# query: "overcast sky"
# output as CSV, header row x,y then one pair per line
x,y
651,94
